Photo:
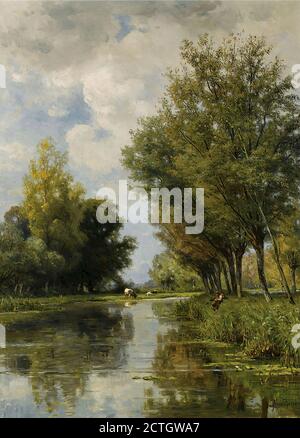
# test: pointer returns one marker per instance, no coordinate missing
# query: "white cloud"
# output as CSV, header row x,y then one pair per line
x,y
14,157
85,150
75,45
55,111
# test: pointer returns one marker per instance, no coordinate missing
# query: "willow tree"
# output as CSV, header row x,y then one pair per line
x,y
153,160
241,116
229,122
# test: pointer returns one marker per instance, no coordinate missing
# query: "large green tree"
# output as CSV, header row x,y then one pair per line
x,y
229,122
105,252
152,160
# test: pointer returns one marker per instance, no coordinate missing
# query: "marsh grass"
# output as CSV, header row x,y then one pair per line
x,y
9,304
262,330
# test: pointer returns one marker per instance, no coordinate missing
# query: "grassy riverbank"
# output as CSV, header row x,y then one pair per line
x,y
15,304
262,330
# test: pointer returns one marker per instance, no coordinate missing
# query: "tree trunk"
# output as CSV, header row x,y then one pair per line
x,y
293,275
211,284
232,274
205,282
218,277
239,275
260,258
214,281
277,259
281,271
227,282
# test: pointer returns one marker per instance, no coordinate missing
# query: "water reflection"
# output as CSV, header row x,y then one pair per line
x,y
58,351
107,360
186,387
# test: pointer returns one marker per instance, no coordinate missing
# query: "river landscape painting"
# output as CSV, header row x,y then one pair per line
x,y
150,215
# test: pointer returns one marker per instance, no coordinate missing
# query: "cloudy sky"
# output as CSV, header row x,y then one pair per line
x,y
83,72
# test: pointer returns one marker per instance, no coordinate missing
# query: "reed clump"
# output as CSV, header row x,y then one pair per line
x,y
262,330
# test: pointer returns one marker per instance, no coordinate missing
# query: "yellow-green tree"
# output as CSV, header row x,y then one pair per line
x,y
53,202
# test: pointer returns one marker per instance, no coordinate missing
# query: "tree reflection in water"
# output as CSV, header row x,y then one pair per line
x,y
107,360
58,351
186,387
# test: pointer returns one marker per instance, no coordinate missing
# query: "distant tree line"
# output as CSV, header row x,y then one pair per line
x,y
52,242
168,274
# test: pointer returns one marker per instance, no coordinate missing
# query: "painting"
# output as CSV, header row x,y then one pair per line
x,y
150,217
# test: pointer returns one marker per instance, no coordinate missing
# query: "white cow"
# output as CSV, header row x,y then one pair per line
x,y
129,293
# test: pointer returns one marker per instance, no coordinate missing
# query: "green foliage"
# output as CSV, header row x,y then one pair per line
x,y
229,122
11,253
53,203
53,242
25,264
104,253
13,304
290,244
15,216
262,332
167,273
250,275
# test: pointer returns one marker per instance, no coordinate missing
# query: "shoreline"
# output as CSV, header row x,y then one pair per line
x,y
42,304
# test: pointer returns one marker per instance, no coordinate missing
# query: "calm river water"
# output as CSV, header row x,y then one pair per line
x,y
110,360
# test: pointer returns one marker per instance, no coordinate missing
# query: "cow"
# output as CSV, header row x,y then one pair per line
x,y
130,293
